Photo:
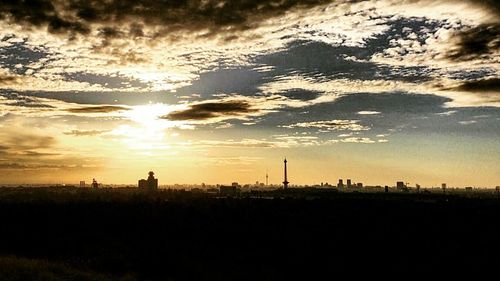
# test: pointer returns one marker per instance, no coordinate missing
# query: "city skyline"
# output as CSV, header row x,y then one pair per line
x,y
217,91
152,183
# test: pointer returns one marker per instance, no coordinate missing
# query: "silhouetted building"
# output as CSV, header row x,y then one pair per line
x,y
95,184
340,184
143,183
349,184
400,185
386,189
228,189
285,181
150,184
82,184
212,190
359,185
443,186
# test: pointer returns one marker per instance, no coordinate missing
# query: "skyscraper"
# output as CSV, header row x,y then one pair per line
x,y
285,182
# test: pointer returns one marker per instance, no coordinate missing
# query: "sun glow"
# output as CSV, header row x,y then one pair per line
x,y
149,130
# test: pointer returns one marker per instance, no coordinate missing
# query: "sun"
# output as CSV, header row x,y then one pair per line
x,y
148,130
150,115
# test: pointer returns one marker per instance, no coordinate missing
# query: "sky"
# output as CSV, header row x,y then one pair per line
x,y
216,91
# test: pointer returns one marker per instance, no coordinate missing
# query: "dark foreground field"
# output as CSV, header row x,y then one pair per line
x,y
70,234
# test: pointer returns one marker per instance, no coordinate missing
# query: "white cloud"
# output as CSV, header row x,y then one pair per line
x,y
368,112
331,125
358,140
468,122
447,113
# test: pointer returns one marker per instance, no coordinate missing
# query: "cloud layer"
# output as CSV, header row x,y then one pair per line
x,y
209,110
127,18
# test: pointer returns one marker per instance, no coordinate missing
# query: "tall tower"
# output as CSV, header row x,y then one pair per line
x,y
267,179
285,182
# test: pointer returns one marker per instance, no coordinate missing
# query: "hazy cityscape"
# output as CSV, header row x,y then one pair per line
x,y
343,185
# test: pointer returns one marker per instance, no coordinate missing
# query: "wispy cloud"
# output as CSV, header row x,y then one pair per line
x,y
447,113
358,140
278,141
97,109
331,125
79,133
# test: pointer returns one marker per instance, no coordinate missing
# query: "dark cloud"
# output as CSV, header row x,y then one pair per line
x,y
486,85
7,79
29,104
153,19
97,109
40,13
23,101
79,133
477,42
80,16
208,110
492,5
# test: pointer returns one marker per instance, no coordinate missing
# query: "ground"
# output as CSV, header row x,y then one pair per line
x,y
125,234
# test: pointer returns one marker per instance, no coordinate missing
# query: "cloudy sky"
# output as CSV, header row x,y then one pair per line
x,y
217,91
